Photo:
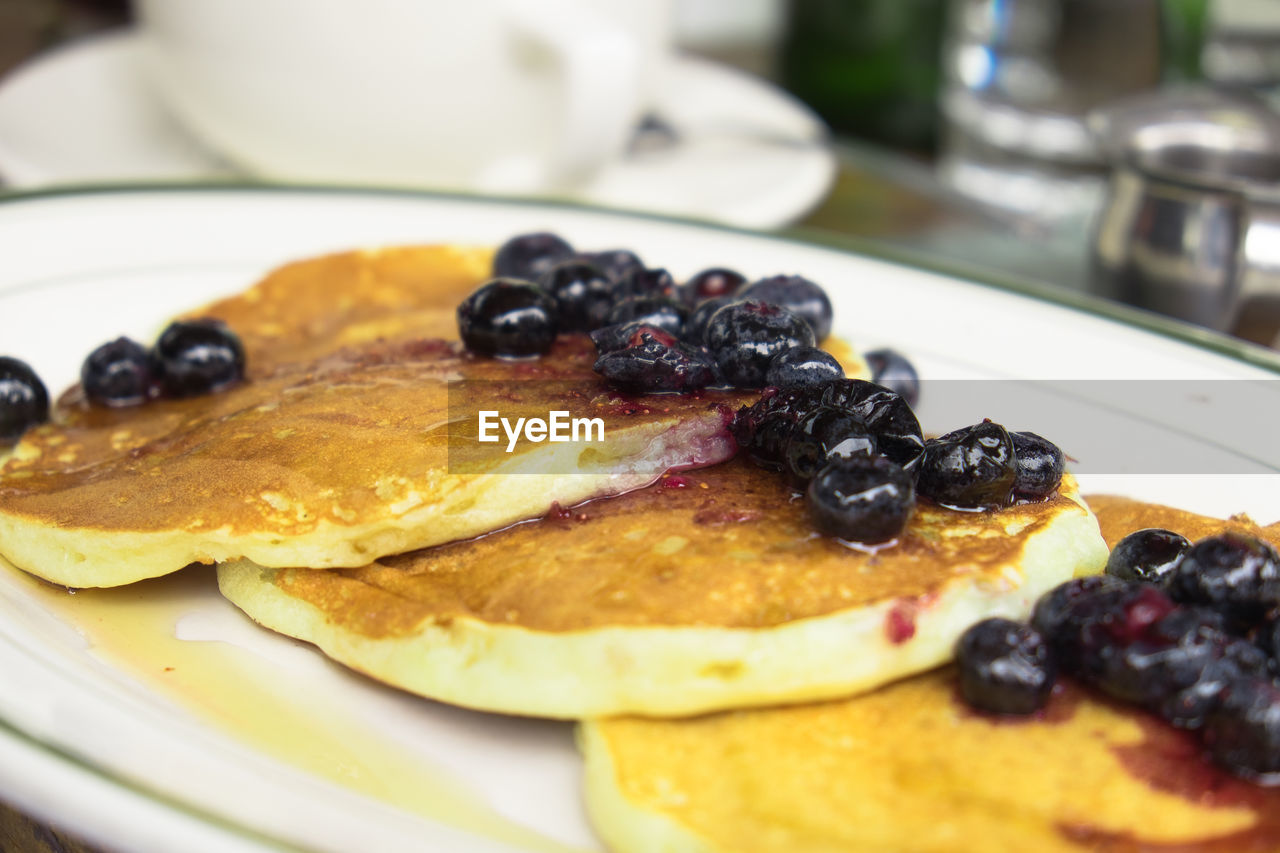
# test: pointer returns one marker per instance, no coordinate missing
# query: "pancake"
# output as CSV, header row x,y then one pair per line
x,y
910,767
307,309
1120,516
343,445
707,590
327,463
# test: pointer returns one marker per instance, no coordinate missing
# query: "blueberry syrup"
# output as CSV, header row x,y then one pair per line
x,y
900,623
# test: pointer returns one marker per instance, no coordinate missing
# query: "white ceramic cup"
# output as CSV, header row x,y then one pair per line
x,y
492,95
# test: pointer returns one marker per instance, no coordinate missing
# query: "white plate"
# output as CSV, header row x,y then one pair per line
x,y
155,717
86,114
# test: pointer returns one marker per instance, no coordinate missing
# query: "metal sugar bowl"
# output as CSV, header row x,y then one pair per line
x,y
1190,222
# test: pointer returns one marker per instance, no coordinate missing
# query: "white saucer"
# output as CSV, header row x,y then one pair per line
x,y
84,114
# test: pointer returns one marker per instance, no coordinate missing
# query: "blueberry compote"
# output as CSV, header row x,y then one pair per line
x,y
190,358
885,413
971,468
1147,555
891,369
852,445
1005,667
1243,731
862,498
614,263
855,448
24,401
762,429
582,292
1187,632
120,373
508,317
821,435
661,311
653,361
198,357
1233,572
1040,466
798,295
743,338
807,366
529,256
695,328
643,281
714,283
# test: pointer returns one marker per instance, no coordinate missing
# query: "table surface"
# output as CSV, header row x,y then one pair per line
x,y
891,200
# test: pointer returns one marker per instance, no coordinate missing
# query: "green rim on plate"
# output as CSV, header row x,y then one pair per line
x,y
75,764
1200,337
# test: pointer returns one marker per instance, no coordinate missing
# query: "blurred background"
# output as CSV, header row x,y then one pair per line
x,y
1124,148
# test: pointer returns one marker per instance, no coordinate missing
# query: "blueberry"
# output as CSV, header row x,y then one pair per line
x,y
971,468
655,362
792,403
1087,619
885,413
768,444
1059,607
198,357
661,311
1171,656
796,402
508,317
1233,572
802,366
119,373
1243,731
529,256
1268,638
1040,466
743,338
712,283
24,401
1005,667
798,295
861,498
892,370
763,428
1232,659
615,337
820,435
646,282
1138,614
582,293
1185,619
614,263
695,328
1147,555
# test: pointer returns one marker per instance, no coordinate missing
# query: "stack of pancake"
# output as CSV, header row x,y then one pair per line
x,y
632,584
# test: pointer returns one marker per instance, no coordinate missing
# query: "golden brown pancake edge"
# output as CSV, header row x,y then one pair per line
x,y
636,651
909,766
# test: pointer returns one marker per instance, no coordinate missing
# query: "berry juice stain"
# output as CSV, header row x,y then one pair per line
x,y
565,514
558,513
1173,762
900,624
